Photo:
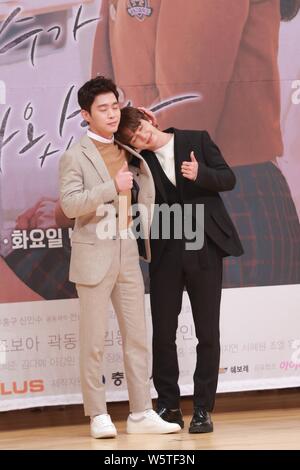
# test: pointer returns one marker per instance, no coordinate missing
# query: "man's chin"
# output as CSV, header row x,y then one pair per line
x,y
112,129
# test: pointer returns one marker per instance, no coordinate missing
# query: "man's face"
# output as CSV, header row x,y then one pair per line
x,y
104,116
145,137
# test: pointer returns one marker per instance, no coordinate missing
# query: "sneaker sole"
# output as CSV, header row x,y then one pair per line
x,y
104,435
157,431
153,432
180,423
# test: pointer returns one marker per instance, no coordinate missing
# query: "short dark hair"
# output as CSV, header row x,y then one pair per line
x,y
94,87
130,121
289,9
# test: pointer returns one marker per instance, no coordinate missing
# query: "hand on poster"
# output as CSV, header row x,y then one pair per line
x,y
46,213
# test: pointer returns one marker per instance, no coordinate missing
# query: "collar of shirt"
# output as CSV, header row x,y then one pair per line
x,y
98,137
165,154
166,159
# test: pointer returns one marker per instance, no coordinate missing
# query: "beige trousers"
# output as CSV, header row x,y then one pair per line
x,y
124,284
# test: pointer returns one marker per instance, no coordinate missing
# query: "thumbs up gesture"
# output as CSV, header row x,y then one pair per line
x,y
124,178
190,169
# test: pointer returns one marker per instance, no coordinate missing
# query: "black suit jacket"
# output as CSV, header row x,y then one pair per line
x,y
214,176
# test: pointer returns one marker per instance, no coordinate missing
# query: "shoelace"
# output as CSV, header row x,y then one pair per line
x,y
103,419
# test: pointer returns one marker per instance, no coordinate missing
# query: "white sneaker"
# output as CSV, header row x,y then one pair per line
x,y
150,423
102,427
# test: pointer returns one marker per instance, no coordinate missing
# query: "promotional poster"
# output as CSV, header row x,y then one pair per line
x,y
233,70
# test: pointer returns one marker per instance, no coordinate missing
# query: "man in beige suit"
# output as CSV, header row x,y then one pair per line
x,y
96,189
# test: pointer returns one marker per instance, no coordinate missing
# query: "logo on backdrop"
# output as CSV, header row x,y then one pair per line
x,y
22,388
139,9
294,362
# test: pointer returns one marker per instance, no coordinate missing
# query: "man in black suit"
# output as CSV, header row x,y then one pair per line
x,y
188,169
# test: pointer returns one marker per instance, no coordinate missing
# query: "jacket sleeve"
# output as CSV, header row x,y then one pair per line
x,y
214,174
74,199
102,61
208,43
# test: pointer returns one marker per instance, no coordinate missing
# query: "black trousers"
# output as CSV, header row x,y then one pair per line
x,y
201,273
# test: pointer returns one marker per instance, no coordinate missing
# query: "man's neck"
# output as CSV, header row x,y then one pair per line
x,y
163,139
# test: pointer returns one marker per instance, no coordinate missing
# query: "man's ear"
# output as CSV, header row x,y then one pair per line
x,y
86,115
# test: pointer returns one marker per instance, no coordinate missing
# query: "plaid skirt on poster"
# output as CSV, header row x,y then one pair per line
x,y
44,270
263,211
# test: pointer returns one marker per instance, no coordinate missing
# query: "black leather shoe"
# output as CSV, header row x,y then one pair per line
x,y
201,422
171,416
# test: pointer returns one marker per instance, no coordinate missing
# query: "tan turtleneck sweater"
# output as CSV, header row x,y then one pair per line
x,y
114,158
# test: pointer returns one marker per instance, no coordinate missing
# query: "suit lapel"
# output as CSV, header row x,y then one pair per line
x,y
182,150
179,158
91,152
154,166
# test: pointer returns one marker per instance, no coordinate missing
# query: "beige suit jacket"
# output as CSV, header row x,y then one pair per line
x,y
88,194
